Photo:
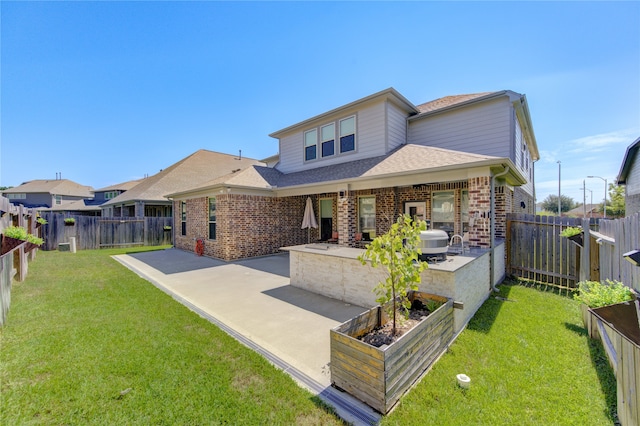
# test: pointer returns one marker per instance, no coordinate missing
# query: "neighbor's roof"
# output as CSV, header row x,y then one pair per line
x,y
124,186
199,167
627,161
405,160
75,206
53,187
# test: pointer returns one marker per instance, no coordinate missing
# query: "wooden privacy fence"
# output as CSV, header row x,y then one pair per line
x,y
606,249
93,232
14,265
536,251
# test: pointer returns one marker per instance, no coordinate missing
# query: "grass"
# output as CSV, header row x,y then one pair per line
x,y
89,342
530,363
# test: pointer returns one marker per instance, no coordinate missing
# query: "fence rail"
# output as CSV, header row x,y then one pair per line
x,y
94,232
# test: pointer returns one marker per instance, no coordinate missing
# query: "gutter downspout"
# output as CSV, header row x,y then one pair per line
x,y
492,227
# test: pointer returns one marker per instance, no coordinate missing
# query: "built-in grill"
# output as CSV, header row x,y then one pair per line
x,y
434,245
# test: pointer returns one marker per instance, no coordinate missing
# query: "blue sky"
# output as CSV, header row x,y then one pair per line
x,y
105,92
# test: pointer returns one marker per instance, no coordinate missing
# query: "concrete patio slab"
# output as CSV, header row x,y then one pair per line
x,y
252,300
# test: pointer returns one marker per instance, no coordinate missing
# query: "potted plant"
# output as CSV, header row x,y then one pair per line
x,y
40,221
69,221
380,374
595,294
574,233
167,228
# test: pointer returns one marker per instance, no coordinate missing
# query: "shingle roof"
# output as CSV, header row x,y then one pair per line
x,y
125,186
405,159
449,101
54,187
199,167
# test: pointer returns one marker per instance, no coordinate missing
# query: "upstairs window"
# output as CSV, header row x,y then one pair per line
x,y
17,196
58,199
310,145
348,134
328,134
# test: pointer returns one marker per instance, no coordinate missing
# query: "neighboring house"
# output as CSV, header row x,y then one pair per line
x,y
587,210
146,199
629,176
92,206
48,193
365,163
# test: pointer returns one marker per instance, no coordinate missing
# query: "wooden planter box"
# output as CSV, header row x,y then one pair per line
x,y
380,376
588,320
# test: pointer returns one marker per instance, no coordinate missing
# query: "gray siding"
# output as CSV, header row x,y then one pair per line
x,y
396,127
371,140
523,157
480,129
633,178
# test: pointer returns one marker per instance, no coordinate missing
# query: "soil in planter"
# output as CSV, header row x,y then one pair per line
x,y
382,335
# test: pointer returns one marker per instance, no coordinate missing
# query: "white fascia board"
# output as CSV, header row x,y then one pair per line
x,y
524,117
213,191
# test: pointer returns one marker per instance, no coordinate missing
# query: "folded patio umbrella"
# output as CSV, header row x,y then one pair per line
x,y
309,218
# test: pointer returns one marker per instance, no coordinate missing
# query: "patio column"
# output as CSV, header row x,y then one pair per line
x,y
479,208
346,218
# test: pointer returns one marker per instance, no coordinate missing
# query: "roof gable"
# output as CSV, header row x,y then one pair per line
x,y
627,161
199,167
53,187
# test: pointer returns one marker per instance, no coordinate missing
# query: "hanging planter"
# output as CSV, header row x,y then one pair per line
x,y
15,236
69,221
9,244
574,234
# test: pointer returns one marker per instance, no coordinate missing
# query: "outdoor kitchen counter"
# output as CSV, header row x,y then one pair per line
x,y
335,271
453,262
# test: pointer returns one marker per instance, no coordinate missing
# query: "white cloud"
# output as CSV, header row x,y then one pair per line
x,y
601,142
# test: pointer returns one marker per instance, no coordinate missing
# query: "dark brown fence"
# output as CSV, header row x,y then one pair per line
x,y
536,251
91,232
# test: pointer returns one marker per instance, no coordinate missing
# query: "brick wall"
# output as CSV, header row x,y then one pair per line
x,y
247,225
479,207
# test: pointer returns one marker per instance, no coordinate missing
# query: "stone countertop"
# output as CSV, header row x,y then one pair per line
x,y
453,262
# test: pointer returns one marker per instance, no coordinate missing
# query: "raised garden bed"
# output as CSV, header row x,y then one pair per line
x,y
380,376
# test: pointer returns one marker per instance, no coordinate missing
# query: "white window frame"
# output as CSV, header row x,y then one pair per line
x,y
337,135
323,140
213,222
355,133
305,146
370,227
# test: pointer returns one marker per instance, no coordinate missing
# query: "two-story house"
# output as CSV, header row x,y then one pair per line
x,y
460,162
48,193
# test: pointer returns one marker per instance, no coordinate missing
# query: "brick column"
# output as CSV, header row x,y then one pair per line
x,y
346,218
479,207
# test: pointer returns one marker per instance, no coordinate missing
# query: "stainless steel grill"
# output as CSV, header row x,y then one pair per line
x,y
434,245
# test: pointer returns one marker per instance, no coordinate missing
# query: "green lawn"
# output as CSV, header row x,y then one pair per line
x,y
89,342
530,363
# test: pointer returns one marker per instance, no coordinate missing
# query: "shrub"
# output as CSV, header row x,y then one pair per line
x,y
596,294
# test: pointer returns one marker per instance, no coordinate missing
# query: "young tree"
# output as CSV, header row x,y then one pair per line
x,y
397,251
616,202
550,203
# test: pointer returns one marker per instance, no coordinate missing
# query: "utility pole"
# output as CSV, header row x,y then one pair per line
x,y
559,203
